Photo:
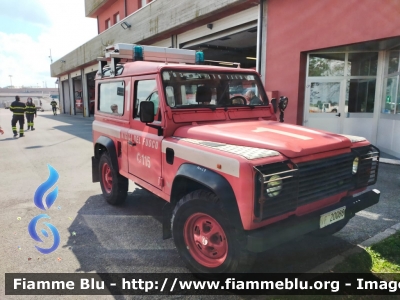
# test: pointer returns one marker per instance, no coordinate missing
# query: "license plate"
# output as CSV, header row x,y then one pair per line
x,y
332,217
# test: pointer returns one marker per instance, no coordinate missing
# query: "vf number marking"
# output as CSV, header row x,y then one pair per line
x,y
143,160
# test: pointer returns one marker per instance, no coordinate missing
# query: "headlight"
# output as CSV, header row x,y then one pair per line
x,y
355,165
274,186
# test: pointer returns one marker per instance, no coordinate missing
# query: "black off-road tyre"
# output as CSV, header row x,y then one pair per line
x,y
330,229
196,211
113,185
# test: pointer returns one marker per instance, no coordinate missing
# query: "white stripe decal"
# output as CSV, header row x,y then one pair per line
x,y
203,158
110,130
353,138
298,136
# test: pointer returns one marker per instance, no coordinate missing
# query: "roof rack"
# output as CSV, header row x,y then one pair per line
x,y
117,53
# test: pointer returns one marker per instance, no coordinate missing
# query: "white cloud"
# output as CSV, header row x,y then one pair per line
x,y
27,59
27,10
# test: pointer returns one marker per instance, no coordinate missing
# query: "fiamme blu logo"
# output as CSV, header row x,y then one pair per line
x,y
44,204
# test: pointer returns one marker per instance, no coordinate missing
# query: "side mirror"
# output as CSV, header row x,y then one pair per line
x,y
283,103
146,112
274,104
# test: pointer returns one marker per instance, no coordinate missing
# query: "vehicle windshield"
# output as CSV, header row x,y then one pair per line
x,y
212,89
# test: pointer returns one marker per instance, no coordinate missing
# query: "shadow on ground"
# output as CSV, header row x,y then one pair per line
x,y
78,126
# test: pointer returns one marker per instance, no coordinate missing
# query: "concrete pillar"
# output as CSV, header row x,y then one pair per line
x,y
85,95
72,96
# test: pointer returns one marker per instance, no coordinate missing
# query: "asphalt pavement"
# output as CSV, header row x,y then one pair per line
x,y
98,238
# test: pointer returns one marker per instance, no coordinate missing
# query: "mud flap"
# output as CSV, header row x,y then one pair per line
x,y
95,170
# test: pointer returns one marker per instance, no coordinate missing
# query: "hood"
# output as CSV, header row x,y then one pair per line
x,y
290,140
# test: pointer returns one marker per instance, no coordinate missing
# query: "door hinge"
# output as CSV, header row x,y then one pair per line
x,y
160,181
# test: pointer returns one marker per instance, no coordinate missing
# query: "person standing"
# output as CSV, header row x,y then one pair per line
x,y
54,105
30,113
18,108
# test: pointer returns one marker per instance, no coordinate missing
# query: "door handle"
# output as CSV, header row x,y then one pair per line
x,y
337,115
130,143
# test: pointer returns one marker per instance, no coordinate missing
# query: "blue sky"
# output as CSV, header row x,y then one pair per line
x,y
30,28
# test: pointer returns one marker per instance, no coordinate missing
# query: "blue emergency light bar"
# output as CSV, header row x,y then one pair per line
x,y
138,53
199,58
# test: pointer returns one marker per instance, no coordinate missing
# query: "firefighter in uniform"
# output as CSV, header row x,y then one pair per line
x,y
30,112
54,105
18,109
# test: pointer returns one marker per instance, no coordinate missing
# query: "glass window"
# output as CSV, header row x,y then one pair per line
x,y
362,64
169,92
143,90
195,89
116,18
361,95
154,98
389,106
324,97
143,3
326,64
393,62
108,23
111,98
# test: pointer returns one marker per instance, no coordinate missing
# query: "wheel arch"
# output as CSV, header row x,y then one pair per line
x,y
103,144
192,177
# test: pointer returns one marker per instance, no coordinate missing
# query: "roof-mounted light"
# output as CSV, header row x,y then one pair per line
x,y
199,58
138,53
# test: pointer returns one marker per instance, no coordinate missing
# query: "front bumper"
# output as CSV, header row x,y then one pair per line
x,y
278,233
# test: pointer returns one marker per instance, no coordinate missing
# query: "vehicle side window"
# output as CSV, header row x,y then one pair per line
x,y
143,89
111,97
155,100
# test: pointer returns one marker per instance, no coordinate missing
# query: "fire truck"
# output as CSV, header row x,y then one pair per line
x,y
235,180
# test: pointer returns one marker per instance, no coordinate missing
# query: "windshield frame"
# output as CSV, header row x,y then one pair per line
x,y
226,89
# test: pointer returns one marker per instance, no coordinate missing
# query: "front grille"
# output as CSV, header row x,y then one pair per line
x,y
311,181
323,178
267,207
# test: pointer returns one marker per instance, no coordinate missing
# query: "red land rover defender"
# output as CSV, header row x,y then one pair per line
x,y
235,180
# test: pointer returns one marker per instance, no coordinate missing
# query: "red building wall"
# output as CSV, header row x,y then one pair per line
x,y
117,6
109,13
295,27
132,6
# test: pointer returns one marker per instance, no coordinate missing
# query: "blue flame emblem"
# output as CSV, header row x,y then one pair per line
x,y
49,201
44,187
34,235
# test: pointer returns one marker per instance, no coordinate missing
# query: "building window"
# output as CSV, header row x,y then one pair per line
x,y
108,23
116,18
325,65
143,3
328,70
391,92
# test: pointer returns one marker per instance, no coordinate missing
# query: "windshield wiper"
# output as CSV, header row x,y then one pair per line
x,y
239,105
210,106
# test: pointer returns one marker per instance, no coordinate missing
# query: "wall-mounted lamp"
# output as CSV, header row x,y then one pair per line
x,y
63,61
210,26
126,25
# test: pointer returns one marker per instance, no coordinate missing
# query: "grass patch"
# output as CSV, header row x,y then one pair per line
x,y
382,259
